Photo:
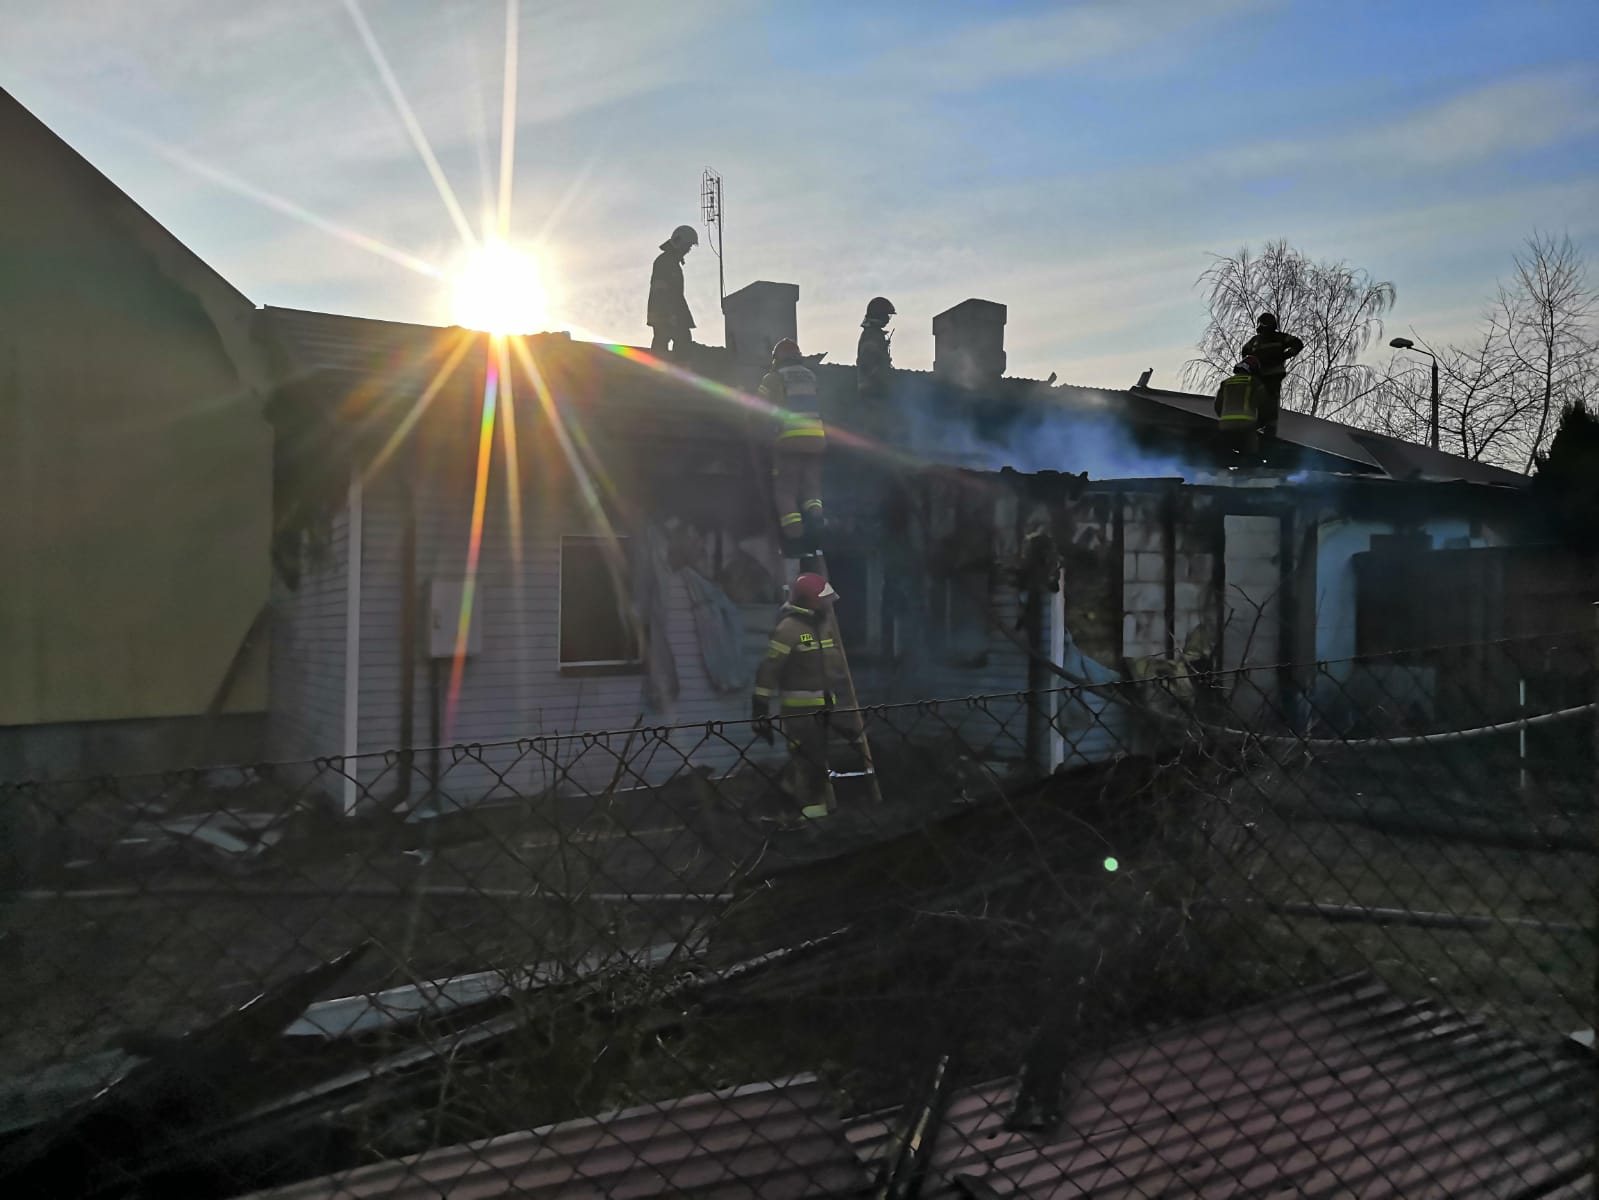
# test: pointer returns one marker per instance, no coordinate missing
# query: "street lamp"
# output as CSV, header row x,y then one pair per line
x,y
1407,344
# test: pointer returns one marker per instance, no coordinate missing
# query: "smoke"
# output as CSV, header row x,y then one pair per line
x,y
1049,434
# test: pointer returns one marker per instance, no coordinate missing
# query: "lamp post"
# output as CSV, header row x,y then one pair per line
x,y
1407,344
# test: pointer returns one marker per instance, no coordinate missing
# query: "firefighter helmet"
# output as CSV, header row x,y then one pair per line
x,y
1266,319
786,350
685,235
812,591
879,308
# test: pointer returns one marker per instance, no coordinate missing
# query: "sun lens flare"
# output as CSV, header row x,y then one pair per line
x,y
500,290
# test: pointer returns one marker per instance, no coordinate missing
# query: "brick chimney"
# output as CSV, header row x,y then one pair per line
x,y
969,343
757,315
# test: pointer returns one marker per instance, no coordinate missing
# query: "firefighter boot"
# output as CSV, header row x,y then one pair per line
x,y
814,525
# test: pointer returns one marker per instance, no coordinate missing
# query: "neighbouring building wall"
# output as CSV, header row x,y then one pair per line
x,y
1337,543
135,464
308,655
1344,688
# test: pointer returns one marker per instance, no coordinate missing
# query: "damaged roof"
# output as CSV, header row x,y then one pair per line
x,y
393,355
1346,1090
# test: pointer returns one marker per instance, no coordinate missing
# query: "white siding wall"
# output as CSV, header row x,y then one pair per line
x,y
307,664
514,691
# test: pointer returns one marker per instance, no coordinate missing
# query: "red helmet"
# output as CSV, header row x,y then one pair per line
x,y
810,591
786,350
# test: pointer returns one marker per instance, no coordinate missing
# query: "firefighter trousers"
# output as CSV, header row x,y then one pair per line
x,y
807,778
669,339
797,488
1268,399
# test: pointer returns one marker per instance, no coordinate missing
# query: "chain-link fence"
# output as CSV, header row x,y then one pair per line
x,y
1286,931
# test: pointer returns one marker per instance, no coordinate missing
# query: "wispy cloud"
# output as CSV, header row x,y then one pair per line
x,y
1062,36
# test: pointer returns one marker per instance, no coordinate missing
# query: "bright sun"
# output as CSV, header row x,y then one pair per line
x,y
499,290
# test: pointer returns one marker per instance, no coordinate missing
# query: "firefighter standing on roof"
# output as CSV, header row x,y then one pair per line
x,y
668,313
874,366
801,665
1271,349
790,388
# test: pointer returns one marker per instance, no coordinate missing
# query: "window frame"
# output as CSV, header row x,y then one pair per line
x,y
595,666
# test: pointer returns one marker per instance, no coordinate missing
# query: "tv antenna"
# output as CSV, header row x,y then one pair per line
x,y
711,213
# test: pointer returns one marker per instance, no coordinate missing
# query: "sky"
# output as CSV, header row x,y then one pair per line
x,y
1076,161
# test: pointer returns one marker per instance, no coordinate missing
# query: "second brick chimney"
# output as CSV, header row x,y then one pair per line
x,y
969,343
757,316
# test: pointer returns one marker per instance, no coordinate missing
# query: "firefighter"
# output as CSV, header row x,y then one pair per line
x,y
1235,409
802,664
873,364
1271,349
669,316
790,387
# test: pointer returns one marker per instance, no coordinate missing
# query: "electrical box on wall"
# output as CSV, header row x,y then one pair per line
x,y
445,600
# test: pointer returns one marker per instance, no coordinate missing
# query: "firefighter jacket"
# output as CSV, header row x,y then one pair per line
x,y
873,363
1272,351
667,308
801,660
1235,400
791,388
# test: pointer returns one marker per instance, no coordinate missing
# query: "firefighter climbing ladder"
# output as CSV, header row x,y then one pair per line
x,y
791,569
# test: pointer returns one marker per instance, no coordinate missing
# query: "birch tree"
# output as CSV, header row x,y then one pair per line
x,y
1336,309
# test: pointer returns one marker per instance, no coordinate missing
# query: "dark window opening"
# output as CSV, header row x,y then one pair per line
x,y
857,576
960,618
597,625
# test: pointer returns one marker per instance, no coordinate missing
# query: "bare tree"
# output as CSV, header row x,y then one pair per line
x,y
1336,309
1547,315
1534,354
1478,418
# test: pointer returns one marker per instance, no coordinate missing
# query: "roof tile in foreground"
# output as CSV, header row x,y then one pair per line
x,y
780,1139
1344,1091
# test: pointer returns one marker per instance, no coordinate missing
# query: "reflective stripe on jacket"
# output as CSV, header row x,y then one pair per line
x,y
1235,399
792,390
799,662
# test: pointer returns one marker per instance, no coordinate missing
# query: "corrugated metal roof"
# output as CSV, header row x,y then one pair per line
x,y
315,341
781,1138
1346,1090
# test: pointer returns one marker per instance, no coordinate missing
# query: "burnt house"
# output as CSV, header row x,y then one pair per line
x,y
602,521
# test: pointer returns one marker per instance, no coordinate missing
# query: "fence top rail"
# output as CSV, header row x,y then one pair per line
x,y
1122,690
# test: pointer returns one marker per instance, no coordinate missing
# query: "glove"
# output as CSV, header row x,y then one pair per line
x,y
760,716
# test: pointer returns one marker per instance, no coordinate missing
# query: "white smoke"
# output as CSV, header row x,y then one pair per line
x,y
1089,436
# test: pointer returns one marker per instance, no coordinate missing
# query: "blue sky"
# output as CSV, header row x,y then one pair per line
x,y
1076,161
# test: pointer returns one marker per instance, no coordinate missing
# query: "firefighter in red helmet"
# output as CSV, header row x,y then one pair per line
x,y
802,666
797,451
